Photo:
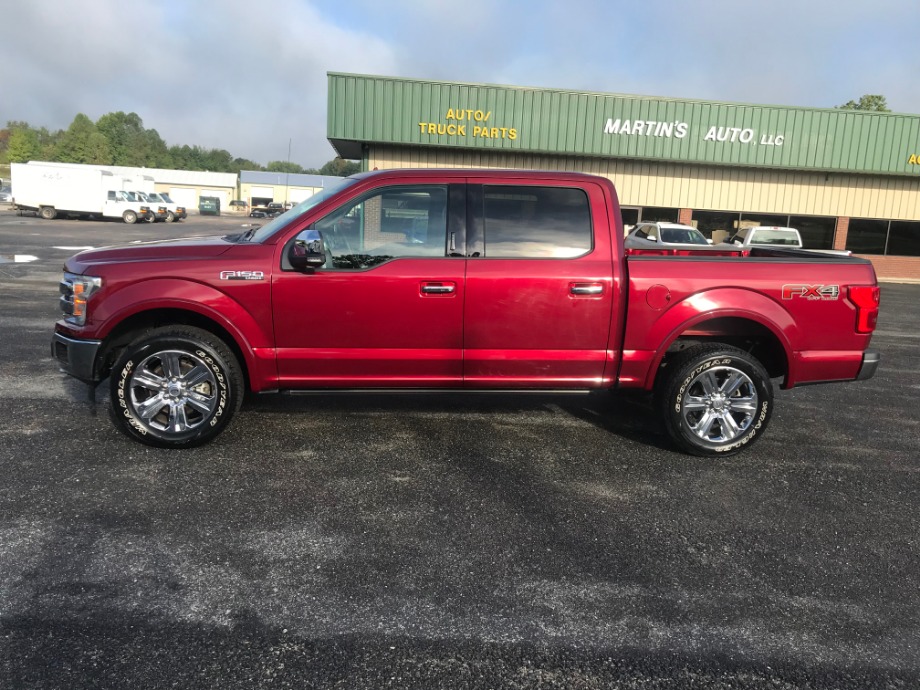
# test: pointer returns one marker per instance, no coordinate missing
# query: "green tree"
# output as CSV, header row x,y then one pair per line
x,y
340,167
873,102
73,146
126,136
244,164
284,167
24,145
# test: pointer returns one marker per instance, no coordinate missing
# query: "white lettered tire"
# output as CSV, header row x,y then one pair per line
x,y
715,399
175,387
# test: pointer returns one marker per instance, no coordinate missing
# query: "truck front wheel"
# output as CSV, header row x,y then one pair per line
x,y
170,216
130,217
715,399
175,387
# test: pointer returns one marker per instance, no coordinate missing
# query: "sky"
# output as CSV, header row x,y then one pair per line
x,y
250,77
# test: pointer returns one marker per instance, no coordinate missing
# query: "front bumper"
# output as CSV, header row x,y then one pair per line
x,y
76,357
870,362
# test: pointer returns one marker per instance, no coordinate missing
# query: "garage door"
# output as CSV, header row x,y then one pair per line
x,y
184,197
262,193
298,195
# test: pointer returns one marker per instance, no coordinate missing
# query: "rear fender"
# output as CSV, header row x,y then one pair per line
x,y
715,304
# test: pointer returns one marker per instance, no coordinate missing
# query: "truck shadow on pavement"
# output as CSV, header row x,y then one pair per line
x,y
628,415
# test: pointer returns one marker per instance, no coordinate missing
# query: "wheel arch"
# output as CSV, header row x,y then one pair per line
x,y
741,318
127,329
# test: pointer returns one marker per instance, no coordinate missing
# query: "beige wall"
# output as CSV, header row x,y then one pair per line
x,y
694,186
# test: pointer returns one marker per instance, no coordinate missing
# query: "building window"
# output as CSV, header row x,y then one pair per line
x,y
662,215
867,236
817,231
904,238
894,238
630,216
716,225
536,222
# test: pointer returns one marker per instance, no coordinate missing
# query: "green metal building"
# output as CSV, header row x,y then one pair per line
x,y
845,179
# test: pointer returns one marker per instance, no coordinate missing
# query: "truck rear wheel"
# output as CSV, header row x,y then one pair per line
x,y
715,399
130,217
48,212
175,387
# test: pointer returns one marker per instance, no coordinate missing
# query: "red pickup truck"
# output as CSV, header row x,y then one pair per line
x,y
464,279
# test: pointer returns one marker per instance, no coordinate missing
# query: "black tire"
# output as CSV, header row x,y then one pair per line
x,y
151,218
48,212
175,387
170,216
130,217
715,399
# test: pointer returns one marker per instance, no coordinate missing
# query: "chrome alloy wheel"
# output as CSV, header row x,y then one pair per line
x,y
719,404
173,391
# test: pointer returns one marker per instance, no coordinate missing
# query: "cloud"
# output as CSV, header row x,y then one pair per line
x,y
249,77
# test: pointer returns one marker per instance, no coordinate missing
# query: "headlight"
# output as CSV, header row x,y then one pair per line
x,y
75,292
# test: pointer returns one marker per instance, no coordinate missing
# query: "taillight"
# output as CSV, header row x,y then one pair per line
x,y
866,299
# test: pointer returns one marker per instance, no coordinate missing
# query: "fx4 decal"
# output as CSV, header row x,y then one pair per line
x,y
242,275
812,292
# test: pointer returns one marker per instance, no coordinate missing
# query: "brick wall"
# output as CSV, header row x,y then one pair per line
x,y
840,232
896,268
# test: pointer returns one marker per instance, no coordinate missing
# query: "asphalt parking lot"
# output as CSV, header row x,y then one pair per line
x,y
448,541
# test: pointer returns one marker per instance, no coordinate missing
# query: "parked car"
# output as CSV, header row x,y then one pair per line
x,y
238,205
646,235
774,236
6,195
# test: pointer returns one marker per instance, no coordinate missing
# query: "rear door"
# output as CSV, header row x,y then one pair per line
x,y
539,285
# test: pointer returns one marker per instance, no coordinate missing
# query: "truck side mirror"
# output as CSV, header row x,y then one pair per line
x,y
307,251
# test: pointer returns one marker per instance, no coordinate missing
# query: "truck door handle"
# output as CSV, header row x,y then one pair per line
x,y
438,288
586,288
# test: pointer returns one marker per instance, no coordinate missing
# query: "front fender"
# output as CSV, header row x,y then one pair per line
x,y
660,330
170,293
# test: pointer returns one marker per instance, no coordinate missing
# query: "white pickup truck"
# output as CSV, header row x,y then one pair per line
x,y
774,236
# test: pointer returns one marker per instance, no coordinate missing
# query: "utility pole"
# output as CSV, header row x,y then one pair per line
x,y
287,172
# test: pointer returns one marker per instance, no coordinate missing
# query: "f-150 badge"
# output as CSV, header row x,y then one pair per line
x,y
242,275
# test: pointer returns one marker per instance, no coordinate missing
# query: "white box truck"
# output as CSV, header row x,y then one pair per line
x,y
53,190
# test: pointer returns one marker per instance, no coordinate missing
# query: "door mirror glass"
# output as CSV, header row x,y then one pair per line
x,y
307,251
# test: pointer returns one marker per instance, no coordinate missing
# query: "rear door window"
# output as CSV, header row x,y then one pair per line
x,y
536,222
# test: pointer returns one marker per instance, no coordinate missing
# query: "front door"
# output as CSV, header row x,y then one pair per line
x,y
387,307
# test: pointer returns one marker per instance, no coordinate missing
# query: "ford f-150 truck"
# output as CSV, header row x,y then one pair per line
x,y
461,279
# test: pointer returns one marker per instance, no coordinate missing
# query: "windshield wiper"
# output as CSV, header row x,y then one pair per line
x,y
246,236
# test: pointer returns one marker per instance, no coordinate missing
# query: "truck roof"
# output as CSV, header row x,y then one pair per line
x,y
477,172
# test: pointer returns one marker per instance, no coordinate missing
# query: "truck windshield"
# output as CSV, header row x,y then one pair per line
x,y
165,197
304,206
